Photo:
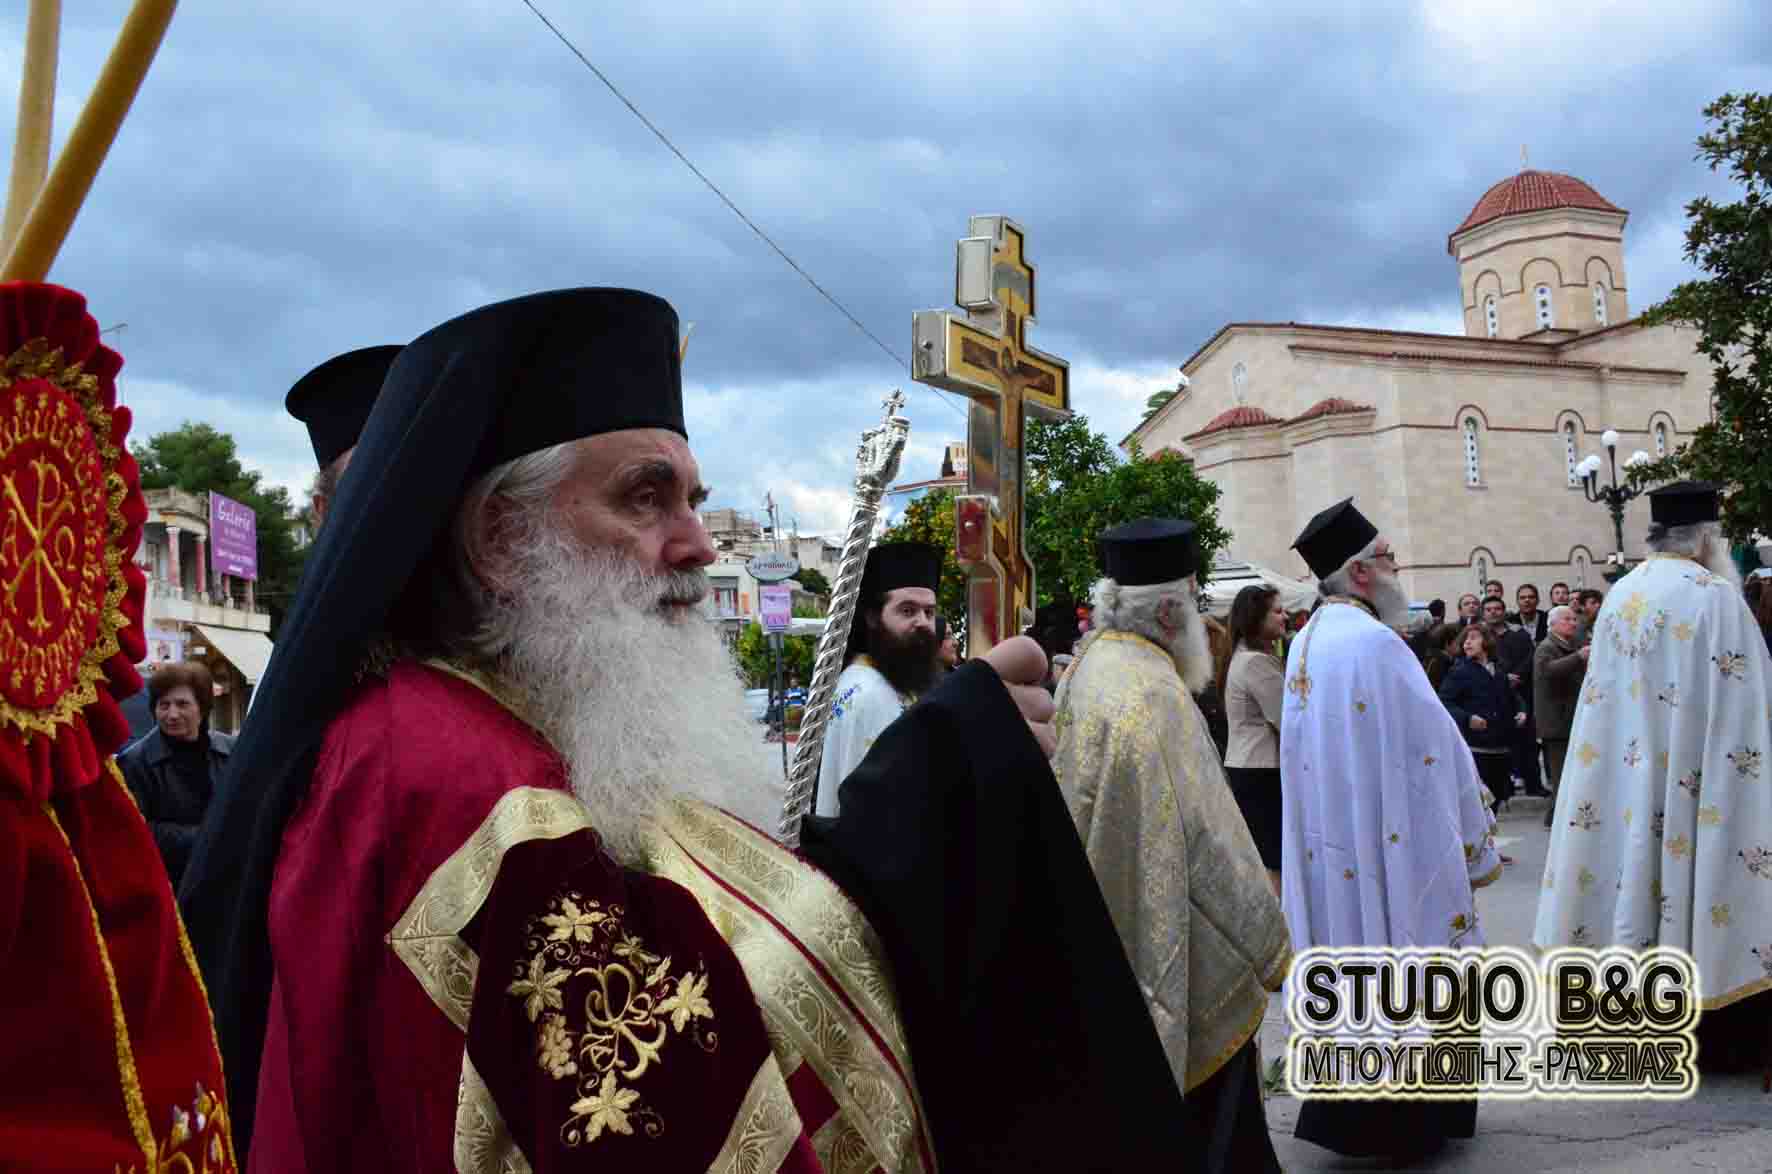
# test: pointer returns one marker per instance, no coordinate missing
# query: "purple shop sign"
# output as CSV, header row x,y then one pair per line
x,y
233,538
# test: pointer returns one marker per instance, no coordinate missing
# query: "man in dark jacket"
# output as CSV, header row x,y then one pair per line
x,y
173,771
1558,665
1513,658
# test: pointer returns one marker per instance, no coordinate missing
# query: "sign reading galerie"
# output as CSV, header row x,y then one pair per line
x,y
1448,1024
233,538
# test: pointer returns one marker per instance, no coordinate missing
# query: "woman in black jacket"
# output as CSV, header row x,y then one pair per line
x,y
1483,704
173,771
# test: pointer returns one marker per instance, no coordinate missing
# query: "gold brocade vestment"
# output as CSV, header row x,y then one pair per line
x,y
1174,859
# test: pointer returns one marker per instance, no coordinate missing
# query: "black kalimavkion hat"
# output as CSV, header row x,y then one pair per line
x,y
1685,503
335,399
1148,551
1334,536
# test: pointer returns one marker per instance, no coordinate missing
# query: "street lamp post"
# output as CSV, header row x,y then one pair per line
x,y
1613,496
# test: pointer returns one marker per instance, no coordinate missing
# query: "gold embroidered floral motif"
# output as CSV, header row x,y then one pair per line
x,y
200,1132
1710,816
1682,631
1585,880
1627,817
1719,915
1593,694
1586,817
1587,754
1733,665
625,1003
1678,846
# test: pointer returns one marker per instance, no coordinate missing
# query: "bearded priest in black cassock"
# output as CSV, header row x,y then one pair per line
x,y
486,889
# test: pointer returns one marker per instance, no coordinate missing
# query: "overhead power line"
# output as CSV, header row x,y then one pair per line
x,y
897,359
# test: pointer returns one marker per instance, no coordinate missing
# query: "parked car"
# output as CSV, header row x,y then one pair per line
x,y
757,701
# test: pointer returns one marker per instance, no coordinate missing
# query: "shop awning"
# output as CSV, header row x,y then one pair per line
x,y
249,652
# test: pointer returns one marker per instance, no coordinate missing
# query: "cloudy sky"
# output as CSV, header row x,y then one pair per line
x,y
301,179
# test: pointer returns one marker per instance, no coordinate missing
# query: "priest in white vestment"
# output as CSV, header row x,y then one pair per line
x,y
1663,828
893,656
1385,835
1174,859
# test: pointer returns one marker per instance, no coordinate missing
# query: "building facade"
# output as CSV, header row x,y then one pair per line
x,y
1461,448
193,614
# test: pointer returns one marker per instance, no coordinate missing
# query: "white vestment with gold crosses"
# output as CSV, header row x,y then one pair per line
x,y
1663,827
1385,834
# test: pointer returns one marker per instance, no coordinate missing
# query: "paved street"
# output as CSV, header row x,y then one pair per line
x,y
1725,1127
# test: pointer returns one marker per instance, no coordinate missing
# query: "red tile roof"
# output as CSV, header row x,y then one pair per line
x,y
1534,191
1333,406
1239,417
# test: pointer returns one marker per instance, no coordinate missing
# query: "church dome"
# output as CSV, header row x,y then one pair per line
x,y
1534,191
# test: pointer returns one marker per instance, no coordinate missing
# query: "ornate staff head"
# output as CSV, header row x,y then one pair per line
x,y
876,466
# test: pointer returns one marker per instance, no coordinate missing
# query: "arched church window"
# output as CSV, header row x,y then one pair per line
x,y
1600,302
1660,439
1580,571
1542,296
1482,575
1240,383
1570,460
1491,316
1473,469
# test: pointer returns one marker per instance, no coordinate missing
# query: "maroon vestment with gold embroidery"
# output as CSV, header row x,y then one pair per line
x,y
439,888
108,1059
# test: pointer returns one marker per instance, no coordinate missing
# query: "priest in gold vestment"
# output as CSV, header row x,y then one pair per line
x,y
1171,852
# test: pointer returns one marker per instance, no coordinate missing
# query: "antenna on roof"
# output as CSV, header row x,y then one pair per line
x,y
1522,156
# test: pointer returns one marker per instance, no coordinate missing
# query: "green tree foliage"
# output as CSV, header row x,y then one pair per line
x,y
1155,403
812,580
930,519
1731,308
756,658
198,459
1077,487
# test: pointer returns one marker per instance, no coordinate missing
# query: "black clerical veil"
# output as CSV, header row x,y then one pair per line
x,y
1032,1044
497,383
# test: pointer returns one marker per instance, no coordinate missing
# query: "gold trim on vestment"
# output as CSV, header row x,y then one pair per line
x,y
841,1150
483,1143
798,1002
426,936
765,1128
1489,877
134,1105
1242,1038
1746,990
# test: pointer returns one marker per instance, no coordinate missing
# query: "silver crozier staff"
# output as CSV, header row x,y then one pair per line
x,y
876,464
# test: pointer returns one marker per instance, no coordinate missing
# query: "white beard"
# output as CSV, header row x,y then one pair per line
x,y
1390,600
641,704
1191,649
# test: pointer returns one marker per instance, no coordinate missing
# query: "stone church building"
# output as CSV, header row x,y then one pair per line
x,y
1461,448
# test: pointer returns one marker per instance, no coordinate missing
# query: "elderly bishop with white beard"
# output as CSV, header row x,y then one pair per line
x,y
1663,827
1384,834
1167,842
485,889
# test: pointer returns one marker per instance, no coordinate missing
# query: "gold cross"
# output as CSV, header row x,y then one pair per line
x,y
984,355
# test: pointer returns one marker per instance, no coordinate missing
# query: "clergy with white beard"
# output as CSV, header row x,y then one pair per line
x,y
1663,828
485,890
890,661
1167,842
1385,834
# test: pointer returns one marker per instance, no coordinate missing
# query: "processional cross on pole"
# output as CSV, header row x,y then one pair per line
x,y
984,355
